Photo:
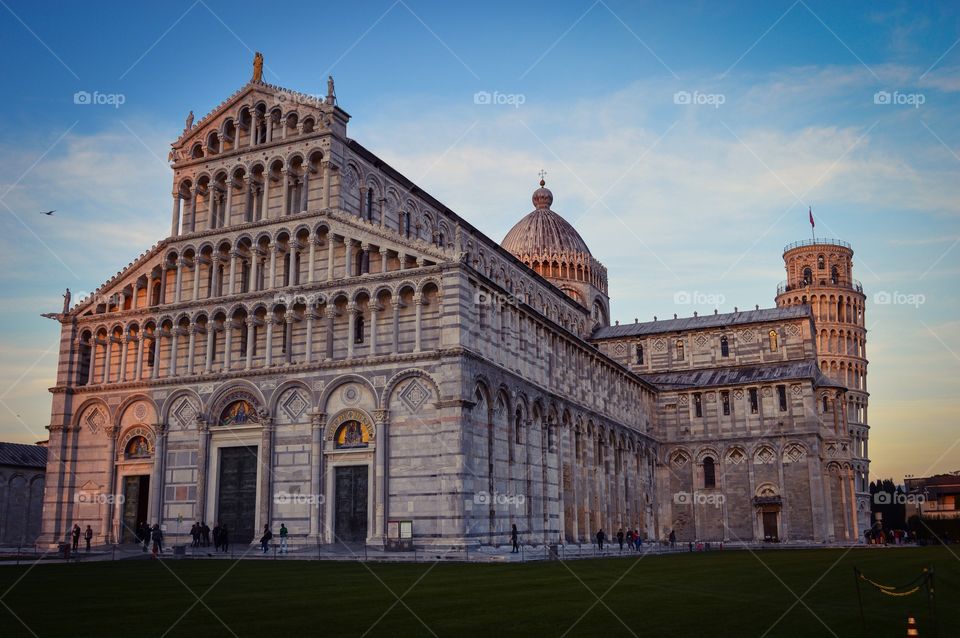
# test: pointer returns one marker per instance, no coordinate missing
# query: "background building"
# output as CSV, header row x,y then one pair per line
x,y
22,472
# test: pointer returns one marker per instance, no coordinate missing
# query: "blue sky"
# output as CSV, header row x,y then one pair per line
x,y
695,198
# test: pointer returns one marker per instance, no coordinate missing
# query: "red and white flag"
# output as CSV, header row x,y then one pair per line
x,y
812,225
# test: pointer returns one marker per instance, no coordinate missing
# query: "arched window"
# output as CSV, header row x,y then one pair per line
x,y
358,329
821,262
518,429
774,344
352,434
826,404
724,347
834,275
679,348
640,354
709,473
368,209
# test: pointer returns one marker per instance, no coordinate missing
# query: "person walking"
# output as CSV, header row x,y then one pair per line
x,y
205,532
216,537
265,539
673,539
195,534
620,539
600,537
224,538
515,539
283,538
156,535
76,537
88,536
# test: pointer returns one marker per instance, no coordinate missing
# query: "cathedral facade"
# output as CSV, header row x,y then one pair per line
x,y
320,342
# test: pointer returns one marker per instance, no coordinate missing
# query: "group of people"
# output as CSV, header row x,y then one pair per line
x,y
268,536
87,536
200,533
144,534
879,536
632,539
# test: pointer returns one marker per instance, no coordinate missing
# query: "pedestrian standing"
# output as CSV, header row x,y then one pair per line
x,y
76,537
265,539
156,534
224,538
515,539
216,537
600,537
205,531
620,538
88,536
283,538
673,539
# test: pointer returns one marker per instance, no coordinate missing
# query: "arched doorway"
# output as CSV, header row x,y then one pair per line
x,y
237,471
349,452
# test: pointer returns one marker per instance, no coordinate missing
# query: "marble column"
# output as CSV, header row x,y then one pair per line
x,y
288,337
330,250
106,359
396,327
327,176
312,257
374,310
163,283
155,507
106,526
124,346
308,355
175,219
191,347
254,269
211,339
203,452
418,329
174,335
274,249
381,498
266,471
138,372
265,197
268,354
178,282
330,314
155,373
197,260
318,422
227,344
251,340
284,193
352,313
232,286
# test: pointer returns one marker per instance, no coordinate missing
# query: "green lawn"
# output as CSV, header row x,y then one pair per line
x,y
733,593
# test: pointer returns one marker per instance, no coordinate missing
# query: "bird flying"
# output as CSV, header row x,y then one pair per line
x,y
48,212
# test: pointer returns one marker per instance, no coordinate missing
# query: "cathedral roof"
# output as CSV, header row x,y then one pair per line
x,y
22,455
544,232
740,375
760,315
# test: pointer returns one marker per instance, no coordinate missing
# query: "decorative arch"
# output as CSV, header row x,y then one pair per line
x,y
235,391
291,402
413,399
336,425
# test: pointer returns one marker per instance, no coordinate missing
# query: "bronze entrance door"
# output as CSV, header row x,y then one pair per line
x,y
237,493
350,504
770,526
136,491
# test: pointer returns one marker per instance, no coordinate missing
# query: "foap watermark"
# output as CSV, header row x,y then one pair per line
x,y
898,98
898,498
487,298
697,298
499,99
116,100
291,498
98,498
699,498
484,497
696,98
897,298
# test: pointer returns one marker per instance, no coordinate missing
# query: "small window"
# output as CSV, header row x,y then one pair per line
x,y
826,404
709,473
698,404
774,343
754,402
640,354
724,347
782,396
807,276
821,262
834,275
679,346
725,400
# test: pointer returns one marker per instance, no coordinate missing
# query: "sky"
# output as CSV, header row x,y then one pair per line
x,y
686,141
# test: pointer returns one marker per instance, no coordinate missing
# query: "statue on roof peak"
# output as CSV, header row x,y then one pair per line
x,y
257,67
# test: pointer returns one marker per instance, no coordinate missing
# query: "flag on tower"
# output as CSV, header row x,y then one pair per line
x,y
812,225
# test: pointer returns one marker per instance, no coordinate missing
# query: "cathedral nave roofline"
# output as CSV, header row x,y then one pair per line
x,y
700,322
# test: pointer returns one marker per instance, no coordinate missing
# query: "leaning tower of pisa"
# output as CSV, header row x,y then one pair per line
x,y
820,274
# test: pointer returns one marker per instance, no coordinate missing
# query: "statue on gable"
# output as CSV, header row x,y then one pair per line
x,y
331,94
189,123
66,301
257,67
